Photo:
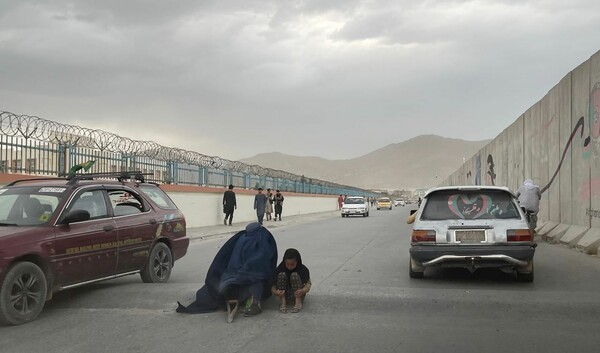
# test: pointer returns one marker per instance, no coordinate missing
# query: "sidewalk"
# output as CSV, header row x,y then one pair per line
x,y
200,233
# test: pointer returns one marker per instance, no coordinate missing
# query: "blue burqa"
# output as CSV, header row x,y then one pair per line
x,y
247,261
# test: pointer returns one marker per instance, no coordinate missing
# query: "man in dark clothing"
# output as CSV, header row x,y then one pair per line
x,y
229,204
278,199
260,204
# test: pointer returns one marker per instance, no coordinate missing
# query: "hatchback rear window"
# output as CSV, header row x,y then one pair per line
x,y
158,196
456,204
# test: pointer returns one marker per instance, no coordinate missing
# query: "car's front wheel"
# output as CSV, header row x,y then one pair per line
x,y
159,265
23,293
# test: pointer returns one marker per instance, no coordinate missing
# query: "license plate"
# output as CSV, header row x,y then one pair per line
x,y
470,236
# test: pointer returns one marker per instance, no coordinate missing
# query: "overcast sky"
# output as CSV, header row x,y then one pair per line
x,y
329,78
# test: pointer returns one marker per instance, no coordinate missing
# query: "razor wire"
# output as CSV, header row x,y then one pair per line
x,y
33,127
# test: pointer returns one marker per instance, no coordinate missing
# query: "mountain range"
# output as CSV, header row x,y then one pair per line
x,y
421,162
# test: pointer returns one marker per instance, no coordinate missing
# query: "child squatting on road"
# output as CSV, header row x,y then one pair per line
x,y
291,282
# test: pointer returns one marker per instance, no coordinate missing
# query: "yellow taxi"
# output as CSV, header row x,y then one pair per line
x,y
384,202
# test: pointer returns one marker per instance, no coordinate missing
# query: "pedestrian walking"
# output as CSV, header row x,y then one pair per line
x,y
529,197
278,201
229,204
269,205
340,202
260,204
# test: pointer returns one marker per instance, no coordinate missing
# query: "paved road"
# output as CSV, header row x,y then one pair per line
x,y
362,301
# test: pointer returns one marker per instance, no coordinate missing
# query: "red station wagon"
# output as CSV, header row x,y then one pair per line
x,y
59,233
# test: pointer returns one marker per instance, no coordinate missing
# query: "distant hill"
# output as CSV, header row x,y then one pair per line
x,y
423,161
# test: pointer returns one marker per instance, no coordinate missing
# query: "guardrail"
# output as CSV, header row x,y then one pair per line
x,y
33,145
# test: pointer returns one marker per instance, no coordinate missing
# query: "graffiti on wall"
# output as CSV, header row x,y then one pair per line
x,y
584,138
590,190
579,127
585,134
594,112
490,173
592,213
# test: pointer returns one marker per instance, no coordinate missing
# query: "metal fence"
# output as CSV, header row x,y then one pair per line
x,y
32,145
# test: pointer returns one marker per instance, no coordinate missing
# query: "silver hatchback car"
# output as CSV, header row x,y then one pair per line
x,y
471,227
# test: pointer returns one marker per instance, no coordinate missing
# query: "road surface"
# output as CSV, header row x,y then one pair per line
x,y
362,300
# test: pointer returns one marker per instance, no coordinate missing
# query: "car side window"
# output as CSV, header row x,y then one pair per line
x,y
125,203
158,196
92,202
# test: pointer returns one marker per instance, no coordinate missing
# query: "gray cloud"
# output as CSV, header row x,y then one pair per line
x,y
236,78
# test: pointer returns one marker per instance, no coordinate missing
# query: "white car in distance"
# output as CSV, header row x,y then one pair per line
x,y
355,205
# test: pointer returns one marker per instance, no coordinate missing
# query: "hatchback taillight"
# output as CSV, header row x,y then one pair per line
x,y
422,236
519,235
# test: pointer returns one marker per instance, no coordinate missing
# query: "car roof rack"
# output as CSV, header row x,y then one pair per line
x,y
33,179
120,176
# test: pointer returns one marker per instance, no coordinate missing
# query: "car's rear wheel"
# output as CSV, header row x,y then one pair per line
x,y
412,273
23,293
159,265
526,277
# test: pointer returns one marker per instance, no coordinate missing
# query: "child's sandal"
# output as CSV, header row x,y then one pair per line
x,y
283,309
296,308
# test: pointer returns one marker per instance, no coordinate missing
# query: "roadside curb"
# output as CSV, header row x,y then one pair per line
x,y
208,232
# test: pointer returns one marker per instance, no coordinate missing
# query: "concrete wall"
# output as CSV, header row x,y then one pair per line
x,y
556,143
205,209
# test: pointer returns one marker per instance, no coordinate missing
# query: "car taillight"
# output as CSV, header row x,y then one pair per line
x,y
519,235
421,236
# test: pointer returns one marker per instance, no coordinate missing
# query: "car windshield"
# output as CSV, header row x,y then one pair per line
x,y
354,201
456,204
29,206
383,200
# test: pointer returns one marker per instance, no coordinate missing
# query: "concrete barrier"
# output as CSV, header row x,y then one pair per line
x,y
573,235
548,226
589,242
540,226
555,235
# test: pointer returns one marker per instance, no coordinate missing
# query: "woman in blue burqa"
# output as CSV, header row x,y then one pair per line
x,y
242,270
